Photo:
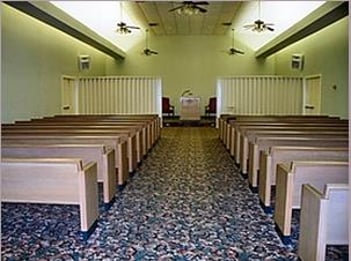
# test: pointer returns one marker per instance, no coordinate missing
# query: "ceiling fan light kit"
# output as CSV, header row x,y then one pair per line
x,y
259,25
122,27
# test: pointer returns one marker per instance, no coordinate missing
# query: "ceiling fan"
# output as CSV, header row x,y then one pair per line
x,y
190,7
233,50
122,27
259,25
148,51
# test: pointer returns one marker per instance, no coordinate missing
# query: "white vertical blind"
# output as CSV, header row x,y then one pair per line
x,y
259,95
120,95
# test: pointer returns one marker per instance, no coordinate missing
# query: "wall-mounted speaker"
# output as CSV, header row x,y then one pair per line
x,y
297,61
84,62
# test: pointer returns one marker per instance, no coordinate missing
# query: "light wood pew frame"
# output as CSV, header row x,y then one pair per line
x,y
116,143
323,220
237,125
291,177
244,132
53,181
249,131
270,120
153,122
130,135
267,181
141,131
264,152
147,139
252,161
104,157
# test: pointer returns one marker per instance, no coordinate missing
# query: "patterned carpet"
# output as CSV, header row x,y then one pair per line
x,y
187,201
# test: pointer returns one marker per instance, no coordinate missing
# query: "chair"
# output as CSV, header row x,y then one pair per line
x,y
167,107
211,108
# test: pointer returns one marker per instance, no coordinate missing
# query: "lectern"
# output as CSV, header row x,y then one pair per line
x,y
190,108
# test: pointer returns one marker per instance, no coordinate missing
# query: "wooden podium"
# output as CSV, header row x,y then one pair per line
x,y
190,108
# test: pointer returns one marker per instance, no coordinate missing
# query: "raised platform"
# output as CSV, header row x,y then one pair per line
x,y
175,121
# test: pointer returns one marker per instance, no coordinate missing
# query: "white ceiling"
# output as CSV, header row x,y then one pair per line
x,y
102,17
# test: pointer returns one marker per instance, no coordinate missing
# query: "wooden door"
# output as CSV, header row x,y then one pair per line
x,y
312,95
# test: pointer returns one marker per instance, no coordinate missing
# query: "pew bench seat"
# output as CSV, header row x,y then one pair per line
x,y
53,181
291,177
115,143
104,157
263,144
271,156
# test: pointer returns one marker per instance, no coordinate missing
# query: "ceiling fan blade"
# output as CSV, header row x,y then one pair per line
x,y
269,28
132,27
248,26
149,52
175,8
234,51
202,10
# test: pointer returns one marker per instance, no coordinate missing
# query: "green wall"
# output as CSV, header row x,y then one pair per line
x,y
325,53
33,58
190,62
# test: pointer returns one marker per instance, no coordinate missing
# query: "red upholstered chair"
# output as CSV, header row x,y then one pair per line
x,y
211,108
167,107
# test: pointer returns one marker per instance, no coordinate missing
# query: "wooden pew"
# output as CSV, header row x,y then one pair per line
x,y
135,147
243,149
141,131
153,122
229,122
237,126
267,181
270,157
323,220
248,149
263,144
151,128
53,181
104,157
116,143
291,176
130,135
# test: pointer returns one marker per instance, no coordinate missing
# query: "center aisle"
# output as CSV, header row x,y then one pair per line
x,y
188,202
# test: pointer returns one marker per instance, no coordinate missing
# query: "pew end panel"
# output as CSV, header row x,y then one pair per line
x,y
123,169
264,186
323,220
104,157
53,181
289,186
253,169
283,203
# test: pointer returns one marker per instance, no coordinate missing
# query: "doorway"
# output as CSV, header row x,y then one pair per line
x,y
312,95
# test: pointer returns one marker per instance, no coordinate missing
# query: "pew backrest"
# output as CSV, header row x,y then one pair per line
x,y
52,181
105,159
323,220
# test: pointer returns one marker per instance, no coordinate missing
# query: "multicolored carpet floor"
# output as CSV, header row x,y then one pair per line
x,y
187,201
